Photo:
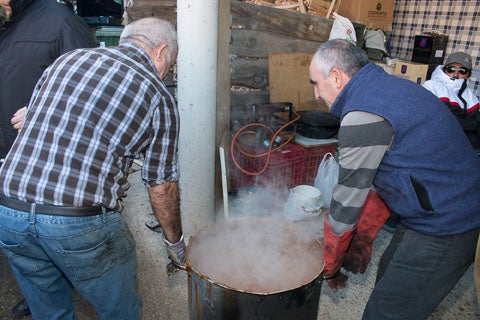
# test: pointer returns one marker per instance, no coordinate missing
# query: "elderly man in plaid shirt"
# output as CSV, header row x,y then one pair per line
x,y
61,187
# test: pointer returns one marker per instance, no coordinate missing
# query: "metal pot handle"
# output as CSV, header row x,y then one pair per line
x,y
173,267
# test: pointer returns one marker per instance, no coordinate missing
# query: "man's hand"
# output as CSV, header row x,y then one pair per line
x,y
335,247
358,255
7,10
18,118
176,251
373,216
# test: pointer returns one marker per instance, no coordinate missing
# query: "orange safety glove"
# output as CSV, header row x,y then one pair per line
x,y
334,248
373,216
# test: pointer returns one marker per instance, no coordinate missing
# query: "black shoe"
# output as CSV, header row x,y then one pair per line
x,y
21,309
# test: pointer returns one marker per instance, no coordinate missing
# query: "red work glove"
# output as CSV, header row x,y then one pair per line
x,y
373,216
335,248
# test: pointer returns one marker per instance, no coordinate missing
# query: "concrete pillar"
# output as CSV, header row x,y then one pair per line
x,y
197,26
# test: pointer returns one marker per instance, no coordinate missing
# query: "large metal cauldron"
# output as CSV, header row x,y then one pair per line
x,y
254,268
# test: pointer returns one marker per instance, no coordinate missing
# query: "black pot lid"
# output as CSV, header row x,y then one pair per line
x,y
317,118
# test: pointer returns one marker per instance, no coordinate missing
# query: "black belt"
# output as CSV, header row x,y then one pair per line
x,y
51,210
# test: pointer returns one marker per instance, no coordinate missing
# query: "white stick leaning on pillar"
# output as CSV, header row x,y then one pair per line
x,y
224,182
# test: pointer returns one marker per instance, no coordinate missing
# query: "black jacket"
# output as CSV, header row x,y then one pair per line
x,y
38,32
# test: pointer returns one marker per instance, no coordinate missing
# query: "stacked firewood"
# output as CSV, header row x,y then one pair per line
x,y
322,8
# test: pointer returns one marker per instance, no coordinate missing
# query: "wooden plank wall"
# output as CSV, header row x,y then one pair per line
x,y
256,31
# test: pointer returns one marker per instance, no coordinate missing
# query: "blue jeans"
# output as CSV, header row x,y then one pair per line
x,y
51,255
416,272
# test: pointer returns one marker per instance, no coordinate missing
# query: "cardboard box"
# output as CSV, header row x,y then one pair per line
x,y
374,14
413,71
288,80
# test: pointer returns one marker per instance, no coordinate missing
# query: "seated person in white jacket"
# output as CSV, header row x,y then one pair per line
x,y
449,83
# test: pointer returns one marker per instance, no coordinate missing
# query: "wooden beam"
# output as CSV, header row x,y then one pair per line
x,y
284,22
258,44
249,97
250,73
137,13
167,13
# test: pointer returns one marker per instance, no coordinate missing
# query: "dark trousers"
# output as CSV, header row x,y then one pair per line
x,y
416,272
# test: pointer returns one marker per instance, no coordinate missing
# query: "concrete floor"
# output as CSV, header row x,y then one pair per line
x,y
165,298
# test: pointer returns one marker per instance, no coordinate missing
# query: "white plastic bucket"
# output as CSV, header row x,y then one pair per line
x,y
303,202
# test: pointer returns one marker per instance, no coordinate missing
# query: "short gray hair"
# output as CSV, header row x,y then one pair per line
x,y
341,54
152,32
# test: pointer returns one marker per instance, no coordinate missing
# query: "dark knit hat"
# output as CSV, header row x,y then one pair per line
x,y
460,57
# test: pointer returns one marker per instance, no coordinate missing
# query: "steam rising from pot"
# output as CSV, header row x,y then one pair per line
x,y
257,255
